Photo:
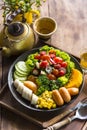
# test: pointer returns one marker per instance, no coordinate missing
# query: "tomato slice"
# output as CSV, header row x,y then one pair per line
x,y
62,71
58,60
57,66
37,56
44,64
45,57
64,64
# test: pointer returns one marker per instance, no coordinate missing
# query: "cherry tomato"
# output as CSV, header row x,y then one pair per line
x,y
62,71
51,77
44,64
55,72
45,57
57,66
58,60
64,64
37,56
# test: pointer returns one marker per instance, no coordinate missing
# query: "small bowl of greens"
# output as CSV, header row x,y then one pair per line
x,y
45,79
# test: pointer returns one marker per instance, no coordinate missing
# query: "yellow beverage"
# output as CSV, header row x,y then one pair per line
x,y
83,60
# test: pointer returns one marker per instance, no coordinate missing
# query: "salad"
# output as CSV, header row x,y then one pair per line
x,y
47,78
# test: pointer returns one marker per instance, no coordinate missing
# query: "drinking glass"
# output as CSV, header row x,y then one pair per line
x,y
83,59
45,27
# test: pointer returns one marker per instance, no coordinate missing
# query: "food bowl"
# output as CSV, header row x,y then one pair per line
x,y
28,104
45,27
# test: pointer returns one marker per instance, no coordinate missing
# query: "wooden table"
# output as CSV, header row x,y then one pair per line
x,y
71,36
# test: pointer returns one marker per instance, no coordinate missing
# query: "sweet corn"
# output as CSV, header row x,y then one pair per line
x,y
46,101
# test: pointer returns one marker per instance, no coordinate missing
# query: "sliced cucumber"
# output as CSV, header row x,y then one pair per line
x,y
20,71
21,74
21,78
22,66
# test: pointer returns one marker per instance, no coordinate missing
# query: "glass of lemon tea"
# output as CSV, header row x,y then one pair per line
x,y
83,60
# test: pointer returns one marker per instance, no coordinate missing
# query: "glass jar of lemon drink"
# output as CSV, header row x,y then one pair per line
x,y
83,59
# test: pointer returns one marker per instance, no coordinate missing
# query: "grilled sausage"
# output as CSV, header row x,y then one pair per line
x,y
73,91
57,97
65,94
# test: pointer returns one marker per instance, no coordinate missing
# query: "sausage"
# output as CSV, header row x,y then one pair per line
x,y
57,97
73,91
31,85
65,94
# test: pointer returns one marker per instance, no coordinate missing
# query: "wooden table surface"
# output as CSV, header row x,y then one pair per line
x,y
71,36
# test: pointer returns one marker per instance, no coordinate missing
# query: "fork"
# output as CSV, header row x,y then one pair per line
x,y
62,115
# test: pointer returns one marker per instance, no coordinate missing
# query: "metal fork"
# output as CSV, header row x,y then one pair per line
x,y
62,115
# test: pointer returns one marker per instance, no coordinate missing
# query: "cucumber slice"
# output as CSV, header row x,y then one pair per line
x,y
22,66
21,74
21,78
20,71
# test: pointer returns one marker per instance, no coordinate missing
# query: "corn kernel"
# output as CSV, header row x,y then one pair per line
x,y
46,101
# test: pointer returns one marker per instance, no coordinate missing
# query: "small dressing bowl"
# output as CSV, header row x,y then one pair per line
x,y
45,27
